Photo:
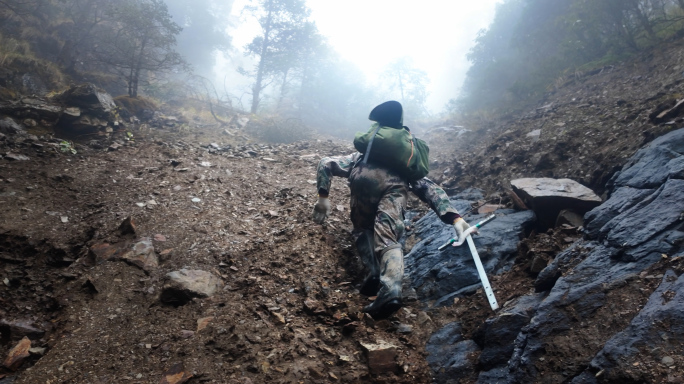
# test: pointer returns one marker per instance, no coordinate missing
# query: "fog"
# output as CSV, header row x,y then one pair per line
x,y
326,64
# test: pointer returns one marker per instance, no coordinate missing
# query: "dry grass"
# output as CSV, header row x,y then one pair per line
x,y
15,54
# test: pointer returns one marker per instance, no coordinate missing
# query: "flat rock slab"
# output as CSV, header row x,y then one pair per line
x,y
184,285
547,197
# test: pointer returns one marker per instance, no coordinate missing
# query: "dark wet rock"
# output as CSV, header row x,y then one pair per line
x,y
633,228
15,330
448,354
640,222
443,275
645,332
32,108
652,165
88,98
10,127
497,335
88,110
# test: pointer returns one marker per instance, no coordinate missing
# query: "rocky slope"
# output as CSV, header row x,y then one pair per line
x,y
89,241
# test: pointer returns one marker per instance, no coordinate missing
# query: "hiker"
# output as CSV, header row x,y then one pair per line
x,y
378,202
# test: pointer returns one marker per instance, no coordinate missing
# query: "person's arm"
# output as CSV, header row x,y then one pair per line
x,y
327,168
432,194
437,199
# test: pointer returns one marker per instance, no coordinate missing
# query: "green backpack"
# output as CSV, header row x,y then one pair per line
x,y
396,149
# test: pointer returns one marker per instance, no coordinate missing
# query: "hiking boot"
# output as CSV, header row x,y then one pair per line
x,y
364,244
389,296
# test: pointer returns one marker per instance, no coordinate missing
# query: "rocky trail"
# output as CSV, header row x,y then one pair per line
x,y
164,255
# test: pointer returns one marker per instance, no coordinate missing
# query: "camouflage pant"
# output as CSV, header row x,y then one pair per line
x,y
378,201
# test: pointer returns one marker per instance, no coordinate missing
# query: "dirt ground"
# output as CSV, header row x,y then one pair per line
x,y
289,310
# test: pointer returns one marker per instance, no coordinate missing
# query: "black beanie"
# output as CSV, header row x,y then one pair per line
x,y
388,114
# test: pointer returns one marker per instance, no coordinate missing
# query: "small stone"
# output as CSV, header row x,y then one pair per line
x,y
668,361
203,322
381,357
315,373
142,255
184,285
280,319
64,219
176,375
37,351
18,354
16,157
159,237
196,200
185,334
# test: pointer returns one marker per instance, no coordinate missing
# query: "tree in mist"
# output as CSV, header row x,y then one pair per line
x,y
334,96
534,46
142,41
284,26
204,24
410,83
81,24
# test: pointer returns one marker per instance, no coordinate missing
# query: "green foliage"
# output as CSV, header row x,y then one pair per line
x,y
67,147
276,129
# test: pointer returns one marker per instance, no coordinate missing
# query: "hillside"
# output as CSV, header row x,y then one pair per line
x,y
88,238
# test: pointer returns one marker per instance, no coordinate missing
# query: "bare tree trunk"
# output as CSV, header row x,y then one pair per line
x,y
257,88
283,87
133,89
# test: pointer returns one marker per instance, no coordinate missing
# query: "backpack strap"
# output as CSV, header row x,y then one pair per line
x,y
370,144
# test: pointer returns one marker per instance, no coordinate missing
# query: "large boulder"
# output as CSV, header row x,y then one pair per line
x,y
87,110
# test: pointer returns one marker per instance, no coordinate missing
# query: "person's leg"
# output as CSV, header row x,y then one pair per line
x,y
365,244
388,228
366,192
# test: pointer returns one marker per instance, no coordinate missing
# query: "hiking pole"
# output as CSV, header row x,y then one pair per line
x,y
476,257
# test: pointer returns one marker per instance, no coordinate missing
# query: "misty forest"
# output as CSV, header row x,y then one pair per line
x,y
168,211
